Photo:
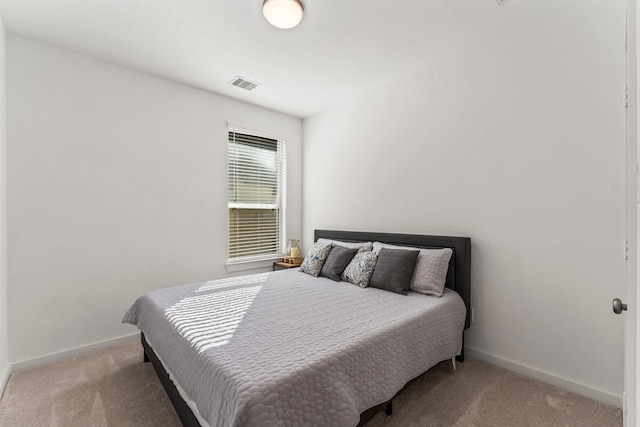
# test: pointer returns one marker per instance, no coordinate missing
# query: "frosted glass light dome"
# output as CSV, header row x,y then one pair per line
x,y
284,14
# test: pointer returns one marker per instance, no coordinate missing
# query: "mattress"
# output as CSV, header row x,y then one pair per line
x,y
288,349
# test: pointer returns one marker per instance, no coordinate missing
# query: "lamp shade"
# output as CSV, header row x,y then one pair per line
x,y
283,14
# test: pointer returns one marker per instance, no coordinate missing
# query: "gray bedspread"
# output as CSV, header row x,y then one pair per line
x,y
288,349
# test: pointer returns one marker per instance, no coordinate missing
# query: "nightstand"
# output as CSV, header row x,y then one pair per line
x,y
280,265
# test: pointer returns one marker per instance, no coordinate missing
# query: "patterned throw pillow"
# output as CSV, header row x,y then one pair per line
x,y
360,268
315,258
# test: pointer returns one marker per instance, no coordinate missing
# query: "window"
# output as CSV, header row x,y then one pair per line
x,y
256,196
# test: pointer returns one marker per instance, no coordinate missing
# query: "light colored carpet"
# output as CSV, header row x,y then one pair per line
x,y
114,387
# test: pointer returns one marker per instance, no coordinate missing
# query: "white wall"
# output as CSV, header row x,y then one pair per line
x,y
117,185
519,143
4,352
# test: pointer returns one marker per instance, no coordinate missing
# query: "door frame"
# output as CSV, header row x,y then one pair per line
x,y
631,399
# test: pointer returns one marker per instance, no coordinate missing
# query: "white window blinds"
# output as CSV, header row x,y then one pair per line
x,y
256,171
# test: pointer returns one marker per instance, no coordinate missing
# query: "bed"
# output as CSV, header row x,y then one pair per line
x,y
286,348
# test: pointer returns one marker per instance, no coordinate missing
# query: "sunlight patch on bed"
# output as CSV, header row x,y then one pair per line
x,y
233,281
210,320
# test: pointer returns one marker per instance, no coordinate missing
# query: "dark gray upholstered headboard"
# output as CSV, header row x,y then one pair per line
x,y
459,274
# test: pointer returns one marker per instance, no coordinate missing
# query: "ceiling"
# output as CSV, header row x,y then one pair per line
x,y
342,48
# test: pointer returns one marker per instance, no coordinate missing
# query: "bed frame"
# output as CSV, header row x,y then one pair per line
x,y
458,279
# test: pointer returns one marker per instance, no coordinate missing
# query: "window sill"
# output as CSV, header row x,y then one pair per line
x,y
236,266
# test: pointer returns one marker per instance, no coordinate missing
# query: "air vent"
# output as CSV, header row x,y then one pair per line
x,y
243,83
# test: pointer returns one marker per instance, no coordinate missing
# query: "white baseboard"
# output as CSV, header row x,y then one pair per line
x,y
545,377
37,361
3,379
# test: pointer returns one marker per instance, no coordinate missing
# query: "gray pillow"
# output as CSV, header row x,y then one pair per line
x,y
360,268
358,245
394,270
430,274
338,258
315,258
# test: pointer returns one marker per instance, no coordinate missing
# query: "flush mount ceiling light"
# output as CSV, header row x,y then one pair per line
x,y
283,14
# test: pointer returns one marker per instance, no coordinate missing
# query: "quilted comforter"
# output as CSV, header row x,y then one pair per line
x,y
288,349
